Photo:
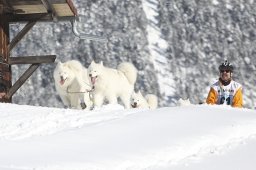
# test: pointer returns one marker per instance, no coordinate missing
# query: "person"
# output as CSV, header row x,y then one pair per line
x,y
226,91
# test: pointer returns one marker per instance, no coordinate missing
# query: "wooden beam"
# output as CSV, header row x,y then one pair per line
x,y
45,17
4,37
48,5
32,59
72,7
5,68
7,3
22,80
1,9
29,9
55,9
25,2
33,2
52,7
63,10
20,35
6,7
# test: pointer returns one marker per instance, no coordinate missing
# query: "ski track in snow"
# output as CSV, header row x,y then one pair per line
x,y
226,133
46,121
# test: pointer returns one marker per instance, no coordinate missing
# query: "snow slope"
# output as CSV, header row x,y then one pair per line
x,y
111,138
157,48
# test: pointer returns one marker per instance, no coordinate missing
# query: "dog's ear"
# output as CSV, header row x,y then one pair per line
x,y
59,63
92,62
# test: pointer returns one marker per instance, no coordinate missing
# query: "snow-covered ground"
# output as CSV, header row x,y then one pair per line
x,y
110,138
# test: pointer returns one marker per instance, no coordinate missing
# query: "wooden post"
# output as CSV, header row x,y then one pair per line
x,y
5,68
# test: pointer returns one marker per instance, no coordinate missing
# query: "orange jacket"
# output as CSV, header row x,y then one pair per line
x,y
236,89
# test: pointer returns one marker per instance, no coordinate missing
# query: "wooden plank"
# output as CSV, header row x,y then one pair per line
x,y
30,9
22,80
37,17
63,10
72,7
32,59
40,10
20,35
34,2
25,2
44,6
6,3
29,17
59,1
5,68
1,9
55,9
4,37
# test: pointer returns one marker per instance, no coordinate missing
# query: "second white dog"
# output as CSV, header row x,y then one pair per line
x,y
111,83
138,101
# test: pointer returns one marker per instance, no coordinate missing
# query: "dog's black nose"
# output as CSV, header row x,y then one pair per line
x,y
83,105
90,75
134,105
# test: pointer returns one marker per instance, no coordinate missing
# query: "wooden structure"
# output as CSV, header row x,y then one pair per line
x,y
30,12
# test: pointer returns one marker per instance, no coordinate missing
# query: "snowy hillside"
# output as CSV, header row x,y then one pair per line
x,y
111,138
175,45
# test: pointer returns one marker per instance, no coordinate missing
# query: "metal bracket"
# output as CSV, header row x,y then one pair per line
x,y
2,61
84,35
48,5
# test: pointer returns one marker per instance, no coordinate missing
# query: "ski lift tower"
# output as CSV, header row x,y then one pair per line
x,y
29,12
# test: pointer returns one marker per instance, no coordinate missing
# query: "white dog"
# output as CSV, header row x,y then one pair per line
x,y
72,84
183,102
138,101
111,83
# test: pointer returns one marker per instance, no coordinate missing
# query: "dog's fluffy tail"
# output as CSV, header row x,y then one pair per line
x,y
152,101
129,71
